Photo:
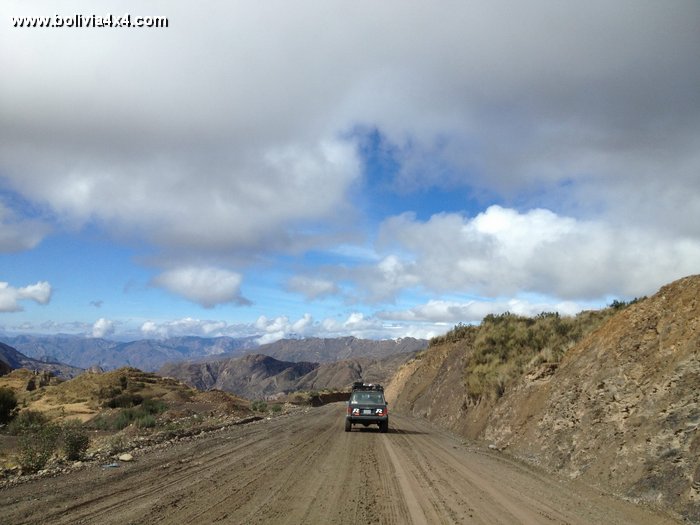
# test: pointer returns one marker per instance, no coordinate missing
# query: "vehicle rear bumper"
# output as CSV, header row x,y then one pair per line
x,y
366,420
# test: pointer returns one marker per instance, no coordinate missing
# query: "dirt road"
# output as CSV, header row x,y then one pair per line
x,y
304,468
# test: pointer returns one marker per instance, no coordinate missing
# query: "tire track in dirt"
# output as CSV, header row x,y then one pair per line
x,y
126,493
304,469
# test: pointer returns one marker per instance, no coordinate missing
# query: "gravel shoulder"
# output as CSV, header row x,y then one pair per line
x,y
303,468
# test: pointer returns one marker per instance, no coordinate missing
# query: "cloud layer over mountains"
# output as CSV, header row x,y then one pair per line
x,y
230,143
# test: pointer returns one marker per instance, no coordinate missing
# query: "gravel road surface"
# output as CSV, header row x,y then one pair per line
x,y
303,468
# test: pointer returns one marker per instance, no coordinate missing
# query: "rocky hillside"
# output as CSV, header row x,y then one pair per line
x,y
11,359
620,408
259,376
323,350
90,394
253,376
341,374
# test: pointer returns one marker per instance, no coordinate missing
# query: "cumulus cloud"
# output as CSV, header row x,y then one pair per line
x,y
264,329
356,324
102,328
206,286
386,325
503,252
11,297
182,327
246,146
247,134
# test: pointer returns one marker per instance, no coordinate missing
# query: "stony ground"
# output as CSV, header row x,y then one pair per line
x,y
302,468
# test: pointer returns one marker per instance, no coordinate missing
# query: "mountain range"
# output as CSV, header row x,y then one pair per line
x,y
151,354
147,354
11,359
258,376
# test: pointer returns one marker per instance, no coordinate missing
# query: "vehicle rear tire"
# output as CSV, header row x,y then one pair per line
x,y
348,426
384,427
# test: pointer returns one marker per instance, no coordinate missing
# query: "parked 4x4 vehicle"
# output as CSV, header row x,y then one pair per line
x,y
367,406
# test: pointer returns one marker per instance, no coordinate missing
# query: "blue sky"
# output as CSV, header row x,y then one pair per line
x,y
377,169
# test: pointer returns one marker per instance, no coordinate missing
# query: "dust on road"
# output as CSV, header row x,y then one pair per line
x,y
304,469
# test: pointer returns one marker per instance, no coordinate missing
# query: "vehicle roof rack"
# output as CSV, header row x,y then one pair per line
x,y
359,385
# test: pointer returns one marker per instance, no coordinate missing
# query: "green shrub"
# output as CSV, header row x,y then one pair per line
x,y
122,420
75,440
506,346
459,333
259,406
37,444
125,401
99,422
142,415
153,406
145,421
276,409
8,404
25,421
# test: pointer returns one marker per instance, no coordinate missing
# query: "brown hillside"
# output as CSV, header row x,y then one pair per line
x,y
86,396
432,386
259,376
621,410
340,375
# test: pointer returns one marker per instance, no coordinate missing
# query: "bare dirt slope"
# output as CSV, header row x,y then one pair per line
x,y
623,408
302,468
620,411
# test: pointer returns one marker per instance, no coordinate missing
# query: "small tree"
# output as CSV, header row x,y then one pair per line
x,y
75,440
8,404
38,440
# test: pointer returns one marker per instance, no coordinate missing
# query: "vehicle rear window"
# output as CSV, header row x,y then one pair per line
x,y
374,398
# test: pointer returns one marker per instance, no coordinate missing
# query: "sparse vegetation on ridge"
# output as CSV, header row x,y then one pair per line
x,y
506,346
55,422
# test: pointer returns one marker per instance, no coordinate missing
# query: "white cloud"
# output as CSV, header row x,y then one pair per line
x,y
385,325
301,326
273,329
10,297
356,324
502,252
206,286
182,327
102,328
244,147
240,141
